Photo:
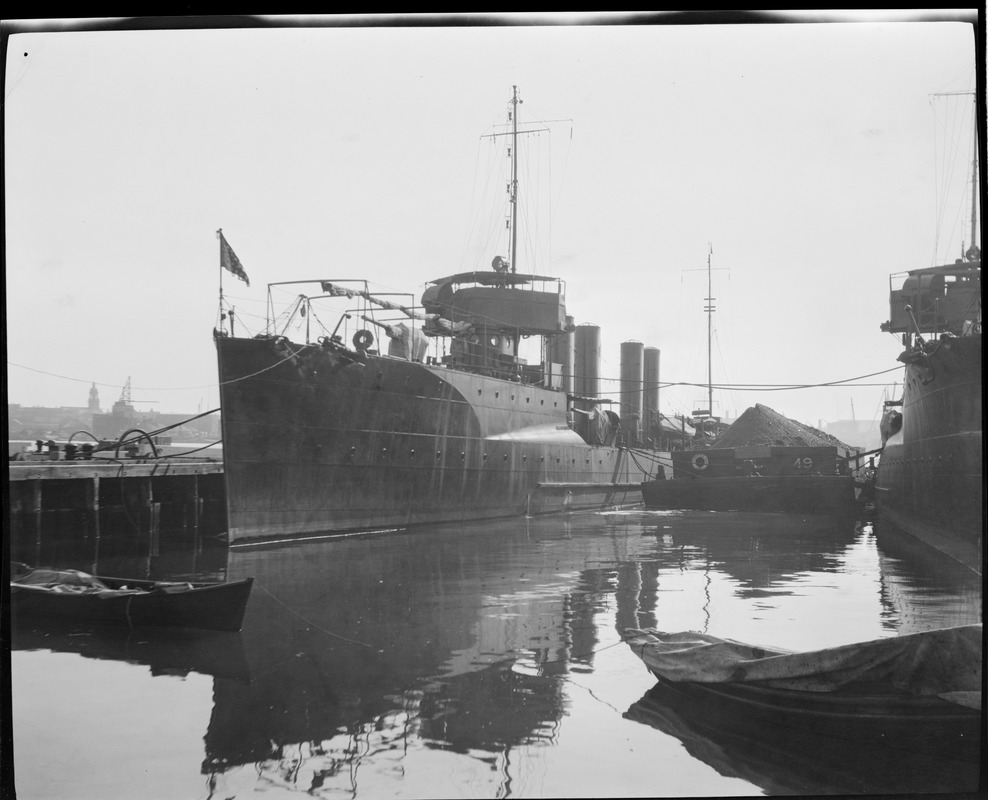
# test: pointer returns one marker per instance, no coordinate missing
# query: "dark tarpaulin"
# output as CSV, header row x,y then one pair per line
x,y
945,663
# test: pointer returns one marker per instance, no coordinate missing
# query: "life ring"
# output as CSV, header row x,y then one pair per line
x,y
363,339
700,462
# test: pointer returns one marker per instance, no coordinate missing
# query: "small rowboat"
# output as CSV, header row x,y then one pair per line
x,y
69,595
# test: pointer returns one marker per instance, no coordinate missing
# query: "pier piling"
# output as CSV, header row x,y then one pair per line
x,y
96,506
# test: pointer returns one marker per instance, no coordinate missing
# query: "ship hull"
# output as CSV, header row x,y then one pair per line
x,y
327,441
930,478
819,494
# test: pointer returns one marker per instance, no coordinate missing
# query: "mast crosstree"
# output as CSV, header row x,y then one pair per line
x,y
709,308
513,193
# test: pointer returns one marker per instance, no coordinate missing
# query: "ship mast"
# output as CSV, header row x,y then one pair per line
x,y
974,179
513,182
974,169
514,177
709,308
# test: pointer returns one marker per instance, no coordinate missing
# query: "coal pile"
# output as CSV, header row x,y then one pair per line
x,y
761,425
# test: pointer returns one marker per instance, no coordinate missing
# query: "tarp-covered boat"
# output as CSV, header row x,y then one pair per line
x,y
71,595
922,672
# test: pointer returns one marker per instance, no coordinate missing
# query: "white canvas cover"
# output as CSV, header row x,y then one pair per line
x,y
944,662
406,342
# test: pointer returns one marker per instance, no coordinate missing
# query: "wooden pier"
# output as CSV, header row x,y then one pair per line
x,y
86,500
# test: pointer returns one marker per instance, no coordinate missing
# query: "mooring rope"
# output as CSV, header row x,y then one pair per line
x,y
309,622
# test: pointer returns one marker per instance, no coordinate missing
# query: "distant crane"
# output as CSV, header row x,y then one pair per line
x,y
125,396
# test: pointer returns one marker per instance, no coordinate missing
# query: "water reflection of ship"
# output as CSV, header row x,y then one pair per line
x,y
757,550
466,647
920,593
427,648
355,650
472,634
371,640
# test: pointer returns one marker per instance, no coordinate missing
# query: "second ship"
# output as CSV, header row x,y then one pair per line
x,y
349,434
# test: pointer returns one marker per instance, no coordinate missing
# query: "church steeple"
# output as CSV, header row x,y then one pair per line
x,y
93,399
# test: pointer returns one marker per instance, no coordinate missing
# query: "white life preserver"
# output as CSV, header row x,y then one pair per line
x,y
700,462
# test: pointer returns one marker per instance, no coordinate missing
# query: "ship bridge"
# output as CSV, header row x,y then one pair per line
x,y
487,313
507,302
935,299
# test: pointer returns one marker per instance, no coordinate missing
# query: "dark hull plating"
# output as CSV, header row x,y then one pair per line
x,y
327,442
780,493
930,479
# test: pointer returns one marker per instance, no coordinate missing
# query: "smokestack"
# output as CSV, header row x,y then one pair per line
x,y
650,390
561,359
586,368
631,389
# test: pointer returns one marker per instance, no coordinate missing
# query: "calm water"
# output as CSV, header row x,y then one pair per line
x,y
480,660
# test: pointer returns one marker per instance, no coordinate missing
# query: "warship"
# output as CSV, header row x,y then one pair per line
x,y
930,478
411,414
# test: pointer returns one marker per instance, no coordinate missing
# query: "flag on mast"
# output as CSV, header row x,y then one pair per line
x,y
229,260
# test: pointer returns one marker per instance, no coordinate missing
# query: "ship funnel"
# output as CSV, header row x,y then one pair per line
x,y
588,421
632,365
586,369
650,393
561,359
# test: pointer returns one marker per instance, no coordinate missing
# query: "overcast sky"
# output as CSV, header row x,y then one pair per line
x,y
814,159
